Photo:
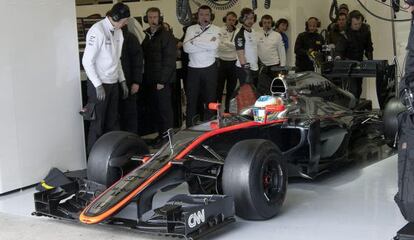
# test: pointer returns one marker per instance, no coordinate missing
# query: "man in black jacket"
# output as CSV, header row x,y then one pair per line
x,y
160,54
355,43
407,82
307,43
132,64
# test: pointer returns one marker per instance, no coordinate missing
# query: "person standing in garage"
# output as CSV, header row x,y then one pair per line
x,y
281,27
354,44
160,54
308,44
132,64
272,53
102,64
246,47
227,57
407,82
201,43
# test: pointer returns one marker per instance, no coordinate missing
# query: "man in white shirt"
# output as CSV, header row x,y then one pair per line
x,y
272,53
201,43
246,48
227,59
102,64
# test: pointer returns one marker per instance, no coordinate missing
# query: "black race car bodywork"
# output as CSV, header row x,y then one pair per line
x,y
233,165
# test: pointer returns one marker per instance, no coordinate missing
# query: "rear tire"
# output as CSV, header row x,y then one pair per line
x,y
114,145
255,175
390,118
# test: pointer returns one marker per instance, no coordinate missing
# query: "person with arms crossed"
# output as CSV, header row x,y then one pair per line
x,y
227,59
201,43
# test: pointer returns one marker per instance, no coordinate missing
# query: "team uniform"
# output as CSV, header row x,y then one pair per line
x,y
353,45
101,61
305,42
247,41
227,65
271,52
201,44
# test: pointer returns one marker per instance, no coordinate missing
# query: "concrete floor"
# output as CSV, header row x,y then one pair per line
x,y
355,202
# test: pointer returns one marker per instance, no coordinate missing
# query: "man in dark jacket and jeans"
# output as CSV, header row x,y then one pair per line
x,y
160,55
355,43
132,64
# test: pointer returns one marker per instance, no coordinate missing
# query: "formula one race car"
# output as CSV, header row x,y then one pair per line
x,y
237,164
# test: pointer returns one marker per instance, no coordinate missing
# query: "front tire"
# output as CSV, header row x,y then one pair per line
x,y
255,175
114,146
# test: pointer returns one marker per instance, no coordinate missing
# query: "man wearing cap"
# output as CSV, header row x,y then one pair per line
x,y
102,64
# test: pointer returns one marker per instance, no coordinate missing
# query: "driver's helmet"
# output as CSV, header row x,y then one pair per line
x,y
259,110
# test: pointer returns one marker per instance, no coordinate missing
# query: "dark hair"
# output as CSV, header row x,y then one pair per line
x,y
205,7
343,6
280,21
153,9
119,11
355,14
231,13
343,14
267,17
246,11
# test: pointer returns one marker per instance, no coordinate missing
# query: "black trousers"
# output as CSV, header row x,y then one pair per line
x,y
106,112
355,86
128,114
201,83
226,73
163,108
266,76
242,76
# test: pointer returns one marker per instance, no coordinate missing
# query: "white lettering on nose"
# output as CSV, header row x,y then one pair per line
x,y
196,218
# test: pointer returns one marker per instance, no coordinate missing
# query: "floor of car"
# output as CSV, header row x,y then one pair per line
x,y
354,202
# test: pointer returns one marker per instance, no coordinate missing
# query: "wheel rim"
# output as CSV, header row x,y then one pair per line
x,y
272,180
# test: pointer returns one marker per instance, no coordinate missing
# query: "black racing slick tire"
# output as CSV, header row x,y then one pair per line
x,y
390,119
110,156
255,175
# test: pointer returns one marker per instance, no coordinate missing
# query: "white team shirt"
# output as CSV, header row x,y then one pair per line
x,y
271,49
247,41
201,50
101,58
227,49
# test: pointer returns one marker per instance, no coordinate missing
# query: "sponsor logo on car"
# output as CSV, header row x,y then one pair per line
x,y
196,218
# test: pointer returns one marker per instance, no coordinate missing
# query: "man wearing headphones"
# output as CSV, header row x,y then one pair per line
x,y
101,61
271,52
160,54
354,44
246,47
201,43
227,57
308,43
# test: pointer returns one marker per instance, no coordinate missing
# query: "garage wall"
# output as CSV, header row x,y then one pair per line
x,y
40,91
